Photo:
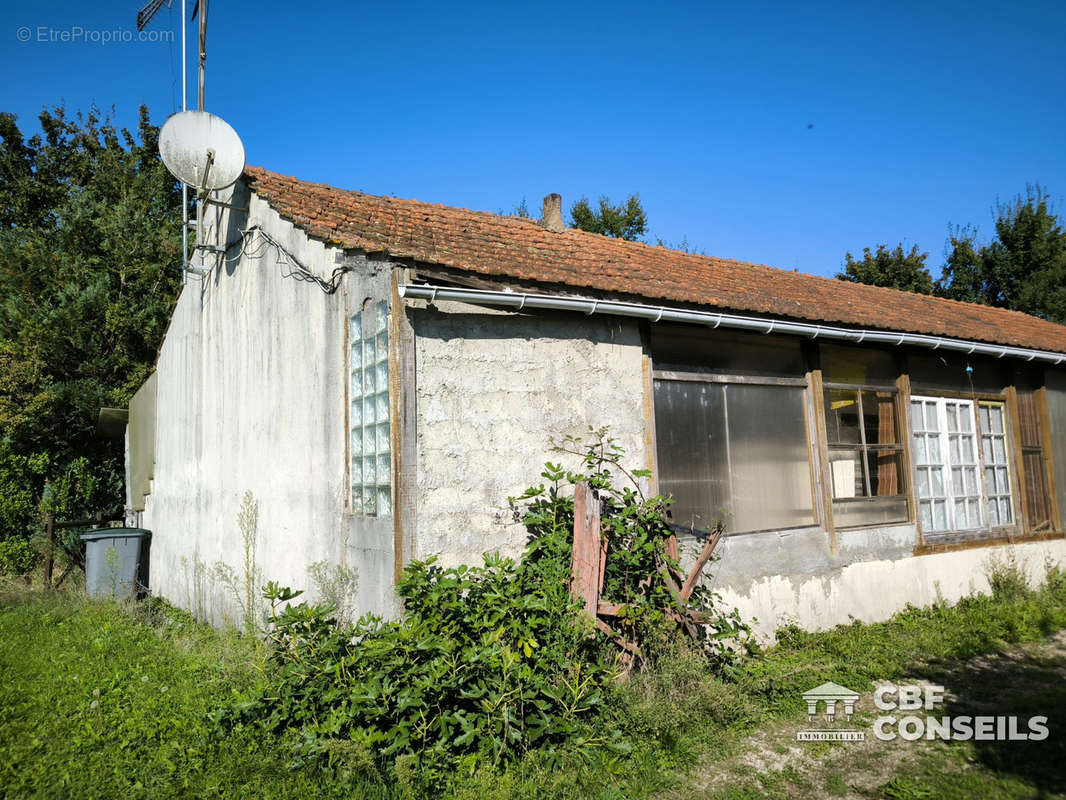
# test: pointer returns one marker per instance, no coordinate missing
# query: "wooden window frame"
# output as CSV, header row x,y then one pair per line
x,y
864,448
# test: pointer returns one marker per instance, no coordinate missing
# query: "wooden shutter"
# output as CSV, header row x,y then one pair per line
x,y
1034,463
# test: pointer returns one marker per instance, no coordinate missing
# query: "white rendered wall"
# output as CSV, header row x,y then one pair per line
x,y
251,398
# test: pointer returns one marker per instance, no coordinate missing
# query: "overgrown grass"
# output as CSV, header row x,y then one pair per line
x,y
99,701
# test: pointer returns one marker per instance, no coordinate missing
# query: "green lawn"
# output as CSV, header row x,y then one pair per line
x,y
99,700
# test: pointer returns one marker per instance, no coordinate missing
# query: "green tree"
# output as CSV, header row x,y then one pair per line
x,y
893,269
90,264
1022,268
625,221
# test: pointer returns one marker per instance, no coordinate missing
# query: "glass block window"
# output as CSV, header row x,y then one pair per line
x,y
370,447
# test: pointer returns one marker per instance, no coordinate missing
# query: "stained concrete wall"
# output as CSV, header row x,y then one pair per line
x,y
874,590
252,381
492,388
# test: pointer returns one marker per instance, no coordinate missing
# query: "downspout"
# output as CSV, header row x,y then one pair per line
x,y
521,300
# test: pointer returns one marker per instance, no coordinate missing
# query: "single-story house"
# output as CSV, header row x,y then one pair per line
x,y
381,374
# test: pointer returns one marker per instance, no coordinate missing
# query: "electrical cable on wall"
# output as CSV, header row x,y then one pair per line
x,y
291,267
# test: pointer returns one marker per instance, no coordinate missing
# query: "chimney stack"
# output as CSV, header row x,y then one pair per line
x,y
551,217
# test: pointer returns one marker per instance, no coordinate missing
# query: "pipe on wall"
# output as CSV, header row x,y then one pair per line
x,y
519,301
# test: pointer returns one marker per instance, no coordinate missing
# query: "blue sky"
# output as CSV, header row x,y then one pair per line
x,y
780,133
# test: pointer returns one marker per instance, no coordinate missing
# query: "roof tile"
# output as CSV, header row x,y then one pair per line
x,y
494,245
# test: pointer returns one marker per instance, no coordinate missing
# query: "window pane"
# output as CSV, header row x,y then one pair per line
x,y
1002,481
879,417
846,468
842,416
932,423
691,442
733,452
923,482
369,418
940,520
996,417
917,415
768,454
875,511
921,454
966,420
953,422
993,512
1005,515
886,472
384,502
925,514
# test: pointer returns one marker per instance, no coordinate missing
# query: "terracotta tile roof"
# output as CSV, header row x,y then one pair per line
x,y
497,246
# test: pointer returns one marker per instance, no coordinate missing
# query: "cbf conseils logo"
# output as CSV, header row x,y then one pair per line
x,y
906,720
838,700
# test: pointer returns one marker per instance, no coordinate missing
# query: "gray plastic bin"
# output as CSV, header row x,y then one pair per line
x,y
116,562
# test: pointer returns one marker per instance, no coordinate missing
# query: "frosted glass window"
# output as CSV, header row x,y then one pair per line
x,y
961,465
369,415
994,460
734,453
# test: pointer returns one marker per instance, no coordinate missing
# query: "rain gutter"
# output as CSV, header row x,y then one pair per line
x,y
519,301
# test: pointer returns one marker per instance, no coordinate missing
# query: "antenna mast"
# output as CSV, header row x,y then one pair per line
x,y
201,6
144,16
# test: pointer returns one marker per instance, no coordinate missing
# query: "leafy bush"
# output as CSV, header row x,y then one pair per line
x,y
487,662
638,571
17,556
483,666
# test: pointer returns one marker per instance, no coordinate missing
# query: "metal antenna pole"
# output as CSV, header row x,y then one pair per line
x,y
200,105
203,51
184,186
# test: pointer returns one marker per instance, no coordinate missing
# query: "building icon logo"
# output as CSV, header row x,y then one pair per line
x,y
838,701
830,694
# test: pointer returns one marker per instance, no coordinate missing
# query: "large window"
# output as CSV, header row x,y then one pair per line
x,y
865,456
370,452
992,417
735,452
961,485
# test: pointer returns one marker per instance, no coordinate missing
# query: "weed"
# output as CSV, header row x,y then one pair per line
x,y
336,585
245,587
835,786
1006,577
903,788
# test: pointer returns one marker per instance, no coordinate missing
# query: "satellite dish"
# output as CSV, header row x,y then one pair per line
x,y
201,150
